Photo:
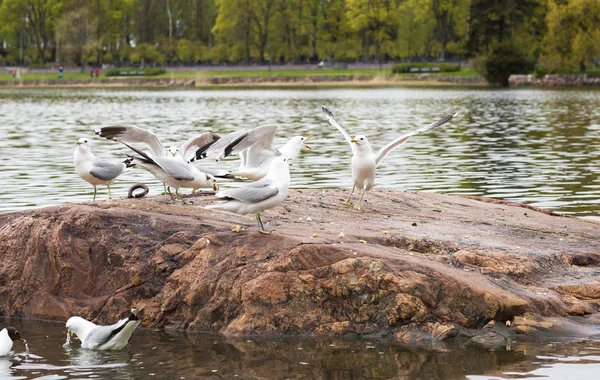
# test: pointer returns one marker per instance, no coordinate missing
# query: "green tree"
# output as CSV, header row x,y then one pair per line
x,y
375,20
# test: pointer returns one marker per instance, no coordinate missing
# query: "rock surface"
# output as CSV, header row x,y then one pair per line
x,y
418,267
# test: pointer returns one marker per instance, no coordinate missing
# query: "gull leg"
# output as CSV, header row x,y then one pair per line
x,y
171,194
360,200
261,228
165,187
348,203
94,193
108,187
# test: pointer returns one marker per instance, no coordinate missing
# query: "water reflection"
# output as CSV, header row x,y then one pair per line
x,y
193,356
537,147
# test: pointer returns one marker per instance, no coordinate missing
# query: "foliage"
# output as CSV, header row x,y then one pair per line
x,y
506,59
562,33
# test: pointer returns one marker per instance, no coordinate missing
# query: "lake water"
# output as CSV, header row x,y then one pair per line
x,y
161,355
539,147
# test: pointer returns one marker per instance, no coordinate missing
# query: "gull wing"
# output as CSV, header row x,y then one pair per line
x,y
176,169
235,142
130,134
251,193
198,141
404,138
332,121
102,334
263,147
105,170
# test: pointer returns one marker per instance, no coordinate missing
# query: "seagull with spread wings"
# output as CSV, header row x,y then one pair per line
x,y
365,161
171,169
255,148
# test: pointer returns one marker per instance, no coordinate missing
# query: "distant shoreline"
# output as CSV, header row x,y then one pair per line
x,y
240,81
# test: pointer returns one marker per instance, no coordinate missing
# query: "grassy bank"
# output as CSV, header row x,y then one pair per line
x,y
245,73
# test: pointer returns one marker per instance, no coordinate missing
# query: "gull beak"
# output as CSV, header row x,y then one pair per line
x,y
306,145
23,340
78,143
353,140
215,187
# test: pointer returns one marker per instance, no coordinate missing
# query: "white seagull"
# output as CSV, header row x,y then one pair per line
x,y
365,161
172,168
256,197
7,336
255,148
94,337
95,171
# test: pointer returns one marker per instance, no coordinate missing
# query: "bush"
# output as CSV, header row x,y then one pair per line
x,y
132,71
425,67
506,59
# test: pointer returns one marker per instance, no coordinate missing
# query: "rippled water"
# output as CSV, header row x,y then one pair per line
x,y
539,147
161,355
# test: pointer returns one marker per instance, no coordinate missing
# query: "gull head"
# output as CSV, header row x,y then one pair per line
x,y
83,144
14,334
361,142
173,150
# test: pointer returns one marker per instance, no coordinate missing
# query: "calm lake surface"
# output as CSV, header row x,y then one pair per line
x,y
161,355
539,147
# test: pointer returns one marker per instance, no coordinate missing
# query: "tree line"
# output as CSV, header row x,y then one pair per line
x,y
558,34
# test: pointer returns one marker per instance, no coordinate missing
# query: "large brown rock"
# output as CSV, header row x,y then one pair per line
x,y
414,266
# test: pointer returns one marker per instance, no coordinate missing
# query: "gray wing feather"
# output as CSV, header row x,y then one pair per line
x,y
106,171
218,150
197,141
251,193
130,134
175,169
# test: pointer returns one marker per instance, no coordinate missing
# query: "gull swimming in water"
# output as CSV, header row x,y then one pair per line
x,y
95,171
365,161
171,169
7,336
256,197
94,337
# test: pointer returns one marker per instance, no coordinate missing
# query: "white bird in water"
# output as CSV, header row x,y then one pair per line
x,y
172,168
365,161
94,337
7,336
256,197
95,171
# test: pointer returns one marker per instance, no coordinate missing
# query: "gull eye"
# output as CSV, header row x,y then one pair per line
x,y
361,139
85,141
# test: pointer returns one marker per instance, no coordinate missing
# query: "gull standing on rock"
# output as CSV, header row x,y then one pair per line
x,y
95,171
94,337
256,197
365,161
171,169
7,336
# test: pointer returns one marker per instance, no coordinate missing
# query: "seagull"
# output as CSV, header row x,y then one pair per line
x,y
94,337
95,171
172,168
7,336
255,148
256,197
365,161
233,143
